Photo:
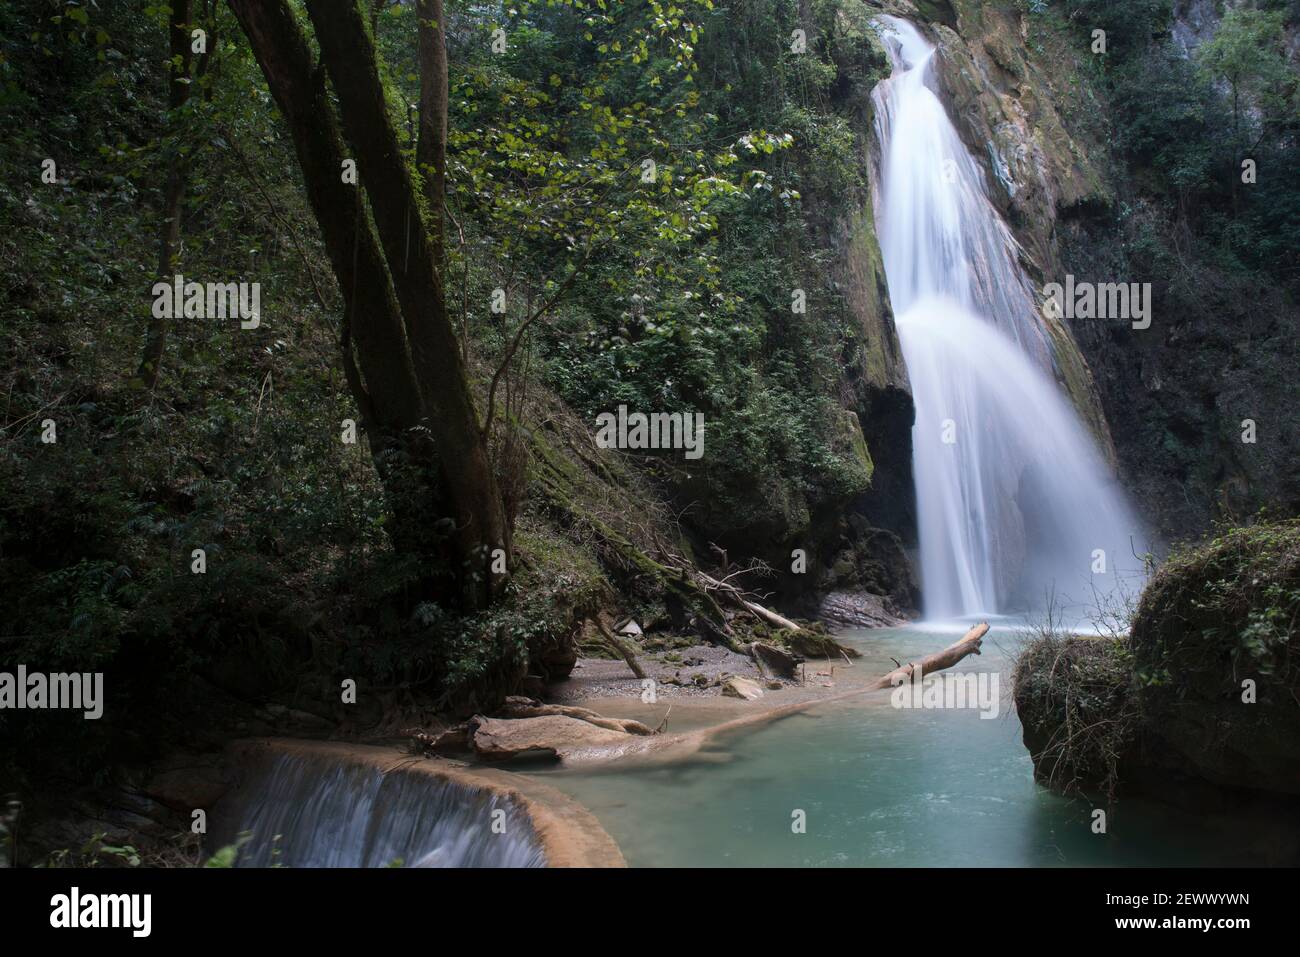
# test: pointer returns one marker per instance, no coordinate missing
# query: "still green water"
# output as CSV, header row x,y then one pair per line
x,y
880,786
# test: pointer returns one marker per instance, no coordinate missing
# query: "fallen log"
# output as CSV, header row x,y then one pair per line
x,y
681,745
517,706
968,645
803,641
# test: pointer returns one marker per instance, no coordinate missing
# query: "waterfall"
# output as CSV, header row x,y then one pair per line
x,y
1014,502
304,810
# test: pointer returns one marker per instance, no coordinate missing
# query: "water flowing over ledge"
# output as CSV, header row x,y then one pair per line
x,y
335,804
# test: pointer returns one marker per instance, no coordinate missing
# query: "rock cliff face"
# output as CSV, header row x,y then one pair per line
x,y
875,375
1185,397
857,545
865,571
1201,403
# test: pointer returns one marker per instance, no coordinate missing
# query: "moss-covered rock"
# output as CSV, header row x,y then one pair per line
x,y
561,586
854,442
1074,696
875,371
875,382
1215,654
1202,698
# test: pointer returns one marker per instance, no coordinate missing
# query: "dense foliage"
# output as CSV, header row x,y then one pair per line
x,y
667,292
1187,123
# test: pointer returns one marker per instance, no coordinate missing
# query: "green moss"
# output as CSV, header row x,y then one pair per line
x,y
869,299
856,442
1225,609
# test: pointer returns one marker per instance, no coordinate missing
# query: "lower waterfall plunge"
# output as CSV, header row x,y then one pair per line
x,y
303,810
1014,502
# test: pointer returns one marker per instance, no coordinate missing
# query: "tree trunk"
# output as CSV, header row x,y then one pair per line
x,y
473,497
384,383
624,648
408,376
169,231
431,150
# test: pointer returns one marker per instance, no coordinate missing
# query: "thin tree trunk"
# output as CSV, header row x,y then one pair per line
x,y
409,378
169,232
624,648
431,150
372,321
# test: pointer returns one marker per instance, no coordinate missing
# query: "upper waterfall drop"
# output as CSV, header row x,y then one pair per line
x,y
1015,506
939,234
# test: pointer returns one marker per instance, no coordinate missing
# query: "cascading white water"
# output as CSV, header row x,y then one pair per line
x,y
307,811
1014,503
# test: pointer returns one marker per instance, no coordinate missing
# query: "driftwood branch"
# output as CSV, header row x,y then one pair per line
x,y
753,607
968,645
802,640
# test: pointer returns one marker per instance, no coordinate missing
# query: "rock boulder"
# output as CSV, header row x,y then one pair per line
x,y
743,688
553,736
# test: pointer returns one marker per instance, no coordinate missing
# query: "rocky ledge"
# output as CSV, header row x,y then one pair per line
x,y
857,609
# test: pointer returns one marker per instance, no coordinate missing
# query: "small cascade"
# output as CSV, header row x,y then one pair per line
x,y
304,810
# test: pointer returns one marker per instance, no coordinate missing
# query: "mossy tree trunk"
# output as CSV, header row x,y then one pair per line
x,y
407,374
